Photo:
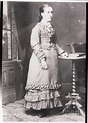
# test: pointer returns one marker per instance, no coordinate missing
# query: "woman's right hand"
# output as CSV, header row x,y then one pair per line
x,y
44,64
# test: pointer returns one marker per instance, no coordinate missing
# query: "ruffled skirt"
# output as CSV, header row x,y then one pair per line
x,y
43,86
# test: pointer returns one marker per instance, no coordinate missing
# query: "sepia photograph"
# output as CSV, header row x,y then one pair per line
x,y
43,61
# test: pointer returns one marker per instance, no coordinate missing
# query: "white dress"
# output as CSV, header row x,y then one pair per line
x,y
43,86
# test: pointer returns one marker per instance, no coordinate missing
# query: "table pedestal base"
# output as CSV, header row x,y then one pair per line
x,y
73,96
73,104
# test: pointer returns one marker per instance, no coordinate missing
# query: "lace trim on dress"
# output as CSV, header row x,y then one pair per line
x,y
44,86
49,47
47,29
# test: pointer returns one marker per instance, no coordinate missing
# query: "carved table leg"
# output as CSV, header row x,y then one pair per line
x,y
74,96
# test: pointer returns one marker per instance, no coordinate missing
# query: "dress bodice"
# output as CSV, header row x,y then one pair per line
x,y
47,33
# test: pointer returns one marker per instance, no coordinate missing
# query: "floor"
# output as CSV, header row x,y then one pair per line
x,y
15,112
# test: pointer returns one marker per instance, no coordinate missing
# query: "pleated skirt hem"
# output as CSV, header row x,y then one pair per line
x,y
43,104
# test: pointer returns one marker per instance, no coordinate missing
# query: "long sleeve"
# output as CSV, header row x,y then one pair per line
x,y
59,49
35,43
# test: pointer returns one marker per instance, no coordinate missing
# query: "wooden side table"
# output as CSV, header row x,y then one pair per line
x,y
74,96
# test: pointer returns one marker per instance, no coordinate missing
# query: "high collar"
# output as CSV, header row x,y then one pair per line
x,y
43,22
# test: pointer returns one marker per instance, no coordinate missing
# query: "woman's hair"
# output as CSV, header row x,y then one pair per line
x,y
41,9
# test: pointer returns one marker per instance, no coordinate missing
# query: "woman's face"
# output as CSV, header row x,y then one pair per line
x,y
47,14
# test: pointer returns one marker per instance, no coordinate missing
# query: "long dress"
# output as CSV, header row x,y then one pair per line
x,y
43,86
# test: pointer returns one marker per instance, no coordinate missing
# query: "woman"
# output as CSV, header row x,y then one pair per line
x,y
43,82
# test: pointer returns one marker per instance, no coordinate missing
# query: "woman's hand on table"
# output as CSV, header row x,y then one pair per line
x,y
64,54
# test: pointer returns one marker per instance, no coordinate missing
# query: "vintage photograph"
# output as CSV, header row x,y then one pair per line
x,y
43,61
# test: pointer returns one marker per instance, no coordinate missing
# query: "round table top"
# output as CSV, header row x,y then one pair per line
x,y
74,56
